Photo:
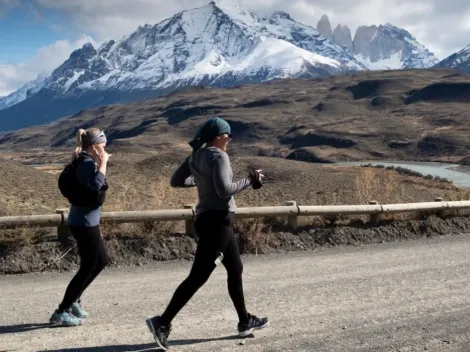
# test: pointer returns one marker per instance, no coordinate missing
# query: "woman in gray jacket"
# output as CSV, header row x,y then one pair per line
x,y
209,170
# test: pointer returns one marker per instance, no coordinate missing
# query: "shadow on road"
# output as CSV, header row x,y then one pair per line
x,y
115,348
196,341
12,329
143,347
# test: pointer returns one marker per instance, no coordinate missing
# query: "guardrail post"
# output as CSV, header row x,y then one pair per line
x,y
374,218
189,224
292,220
62,230
439,213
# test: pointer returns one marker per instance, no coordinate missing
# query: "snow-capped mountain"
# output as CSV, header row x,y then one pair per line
x,y
218,44
210,45
390,47
22,93
380,48
459,60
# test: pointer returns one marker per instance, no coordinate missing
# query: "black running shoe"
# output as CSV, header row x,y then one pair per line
x,y
159,331
254,323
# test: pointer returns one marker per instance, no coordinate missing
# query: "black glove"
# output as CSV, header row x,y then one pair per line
x,y
255,179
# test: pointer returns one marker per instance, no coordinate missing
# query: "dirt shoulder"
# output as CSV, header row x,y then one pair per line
x,y
48,255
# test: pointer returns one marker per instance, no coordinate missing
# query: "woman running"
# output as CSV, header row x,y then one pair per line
x,y
88,167
209,169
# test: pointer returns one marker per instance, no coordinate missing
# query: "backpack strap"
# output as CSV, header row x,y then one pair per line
x,y
78,159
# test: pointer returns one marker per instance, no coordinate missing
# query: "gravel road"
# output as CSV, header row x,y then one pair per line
x,y
406,296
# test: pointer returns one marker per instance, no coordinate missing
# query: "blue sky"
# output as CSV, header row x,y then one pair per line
x,y
24,32
36,36
34,40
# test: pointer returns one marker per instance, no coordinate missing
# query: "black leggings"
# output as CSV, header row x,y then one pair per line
x,y
215,233
93,259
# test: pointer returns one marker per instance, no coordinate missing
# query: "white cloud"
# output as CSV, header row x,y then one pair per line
x,y
111,19
433,19
48,58
465,22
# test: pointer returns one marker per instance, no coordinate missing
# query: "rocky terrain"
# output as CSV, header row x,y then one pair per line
x,y
400,115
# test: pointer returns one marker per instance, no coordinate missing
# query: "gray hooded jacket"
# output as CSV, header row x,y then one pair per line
x,y
211,173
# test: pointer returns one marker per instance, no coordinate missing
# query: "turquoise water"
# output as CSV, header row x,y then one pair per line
x,y
456,173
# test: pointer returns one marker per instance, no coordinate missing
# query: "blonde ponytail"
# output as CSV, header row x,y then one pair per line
x,y
79,144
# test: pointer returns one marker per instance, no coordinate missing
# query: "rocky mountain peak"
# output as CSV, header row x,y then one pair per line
x,y
324,27
459,60
342,36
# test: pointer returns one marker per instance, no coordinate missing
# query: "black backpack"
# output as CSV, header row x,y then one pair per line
x,y
76,193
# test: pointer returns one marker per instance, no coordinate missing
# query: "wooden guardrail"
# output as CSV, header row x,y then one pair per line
x,y
290,210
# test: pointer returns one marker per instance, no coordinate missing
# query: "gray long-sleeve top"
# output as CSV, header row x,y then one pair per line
x,y
211,173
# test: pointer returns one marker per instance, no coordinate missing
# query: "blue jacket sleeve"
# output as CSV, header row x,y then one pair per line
x,y
88,175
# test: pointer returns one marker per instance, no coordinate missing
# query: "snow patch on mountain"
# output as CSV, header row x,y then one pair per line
x,y
459,60
394,62
276,53
22,93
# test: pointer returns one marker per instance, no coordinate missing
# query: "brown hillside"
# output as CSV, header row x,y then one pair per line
x,y
410,114
140,182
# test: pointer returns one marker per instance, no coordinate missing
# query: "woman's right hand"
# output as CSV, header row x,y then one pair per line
x,y
256,176
103,157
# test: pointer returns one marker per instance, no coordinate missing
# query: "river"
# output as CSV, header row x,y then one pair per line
x,y
458,174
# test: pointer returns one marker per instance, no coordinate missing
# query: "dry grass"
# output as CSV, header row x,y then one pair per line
x,y
254,234
141,182
126,197
11,239
25,190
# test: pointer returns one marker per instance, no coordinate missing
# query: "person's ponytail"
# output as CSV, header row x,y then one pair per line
x,y
79,144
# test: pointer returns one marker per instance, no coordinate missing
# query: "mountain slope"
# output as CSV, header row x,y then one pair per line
x,y
459,60
388,115
379,48
217,44
390,47
22,93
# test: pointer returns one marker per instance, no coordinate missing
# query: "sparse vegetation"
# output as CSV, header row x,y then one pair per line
x,y
141,182
368,116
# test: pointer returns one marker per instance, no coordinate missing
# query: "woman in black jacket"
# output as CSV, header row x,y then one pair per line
x,y
90,160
